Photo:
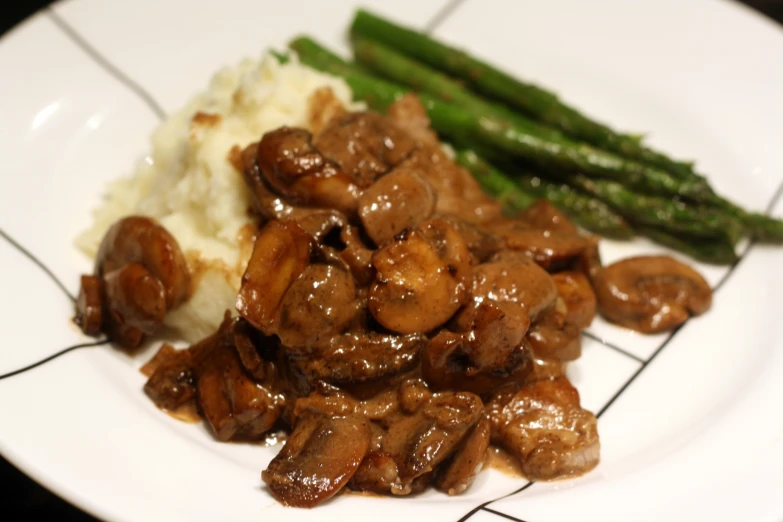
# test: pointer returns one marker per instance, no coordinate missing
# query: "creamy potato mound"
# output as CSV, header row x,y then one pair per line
x,y
189,185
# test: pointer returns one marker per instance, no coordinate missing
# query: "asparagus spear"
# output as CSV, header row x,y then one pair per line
x,y
520,193
530,99
714,252
672,216
511,137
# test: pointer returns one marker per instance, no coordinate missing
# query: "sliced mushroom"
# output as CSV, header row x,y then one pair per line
x,y
293,167
543,215
549,249
397,201
420,278
280,254
553,337
318,459
544,427
651,293
318,305
357,255
142,240
135,297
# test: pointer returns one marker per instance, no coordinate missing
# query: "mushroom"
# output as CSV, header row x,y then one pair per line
x,y
651,293
420,279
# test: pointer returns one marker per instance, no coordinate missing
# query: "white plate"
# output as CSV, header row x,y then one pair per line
x,y
691,426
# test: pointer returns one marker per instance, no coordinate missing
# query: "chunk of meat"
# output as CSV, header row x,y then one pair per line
x,y
544,427
481,244
318,305
142,240
651,293
322,106
360,356
512,277
89,305
318,459
281,253
422,441
579,297
543,215
377,473
171,382
548,249
395,202
357,255
294,168
411,116
135,297
447,363
365,145
457,474
420,278
458,193
236,406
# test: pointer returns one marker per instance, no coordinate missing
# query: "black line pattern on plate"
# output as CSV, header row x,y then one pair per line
x,y
612,346
29,255
53,356
443,13
498,513
773,202
109,67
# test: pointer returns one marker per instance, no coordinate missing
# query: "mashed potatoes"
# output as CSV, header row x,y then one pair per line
x,y
188,184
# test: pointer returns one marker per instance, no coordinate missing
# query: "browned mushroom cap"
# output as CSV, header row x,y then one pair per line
x,y
514,278
135,297
280,254
456,474
294,168
399,200
142,240
319,304
553,337
651,293
318,459
420,278
365,145
89,305
542,214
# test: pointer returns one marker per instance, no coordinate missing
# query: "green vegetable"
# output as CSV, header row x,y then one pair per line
x,y
528,98
714,252
522,191
509,136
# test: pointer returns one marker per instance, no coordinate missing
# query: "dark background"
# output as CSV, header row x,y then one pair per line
x,y
23,497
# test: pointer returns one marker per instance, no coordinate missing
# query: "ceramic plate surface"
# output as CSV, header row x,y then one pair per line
x,y
691,425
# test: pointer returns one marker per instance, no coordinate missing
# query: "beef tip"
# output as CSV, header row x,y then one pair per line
x,y
89,305
294,168
481,244
171,382
422,441
281,253
544,427
457,474
359,357
399,200
319,457
411,116
420,278
365,145
377,473
318,305
235,405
